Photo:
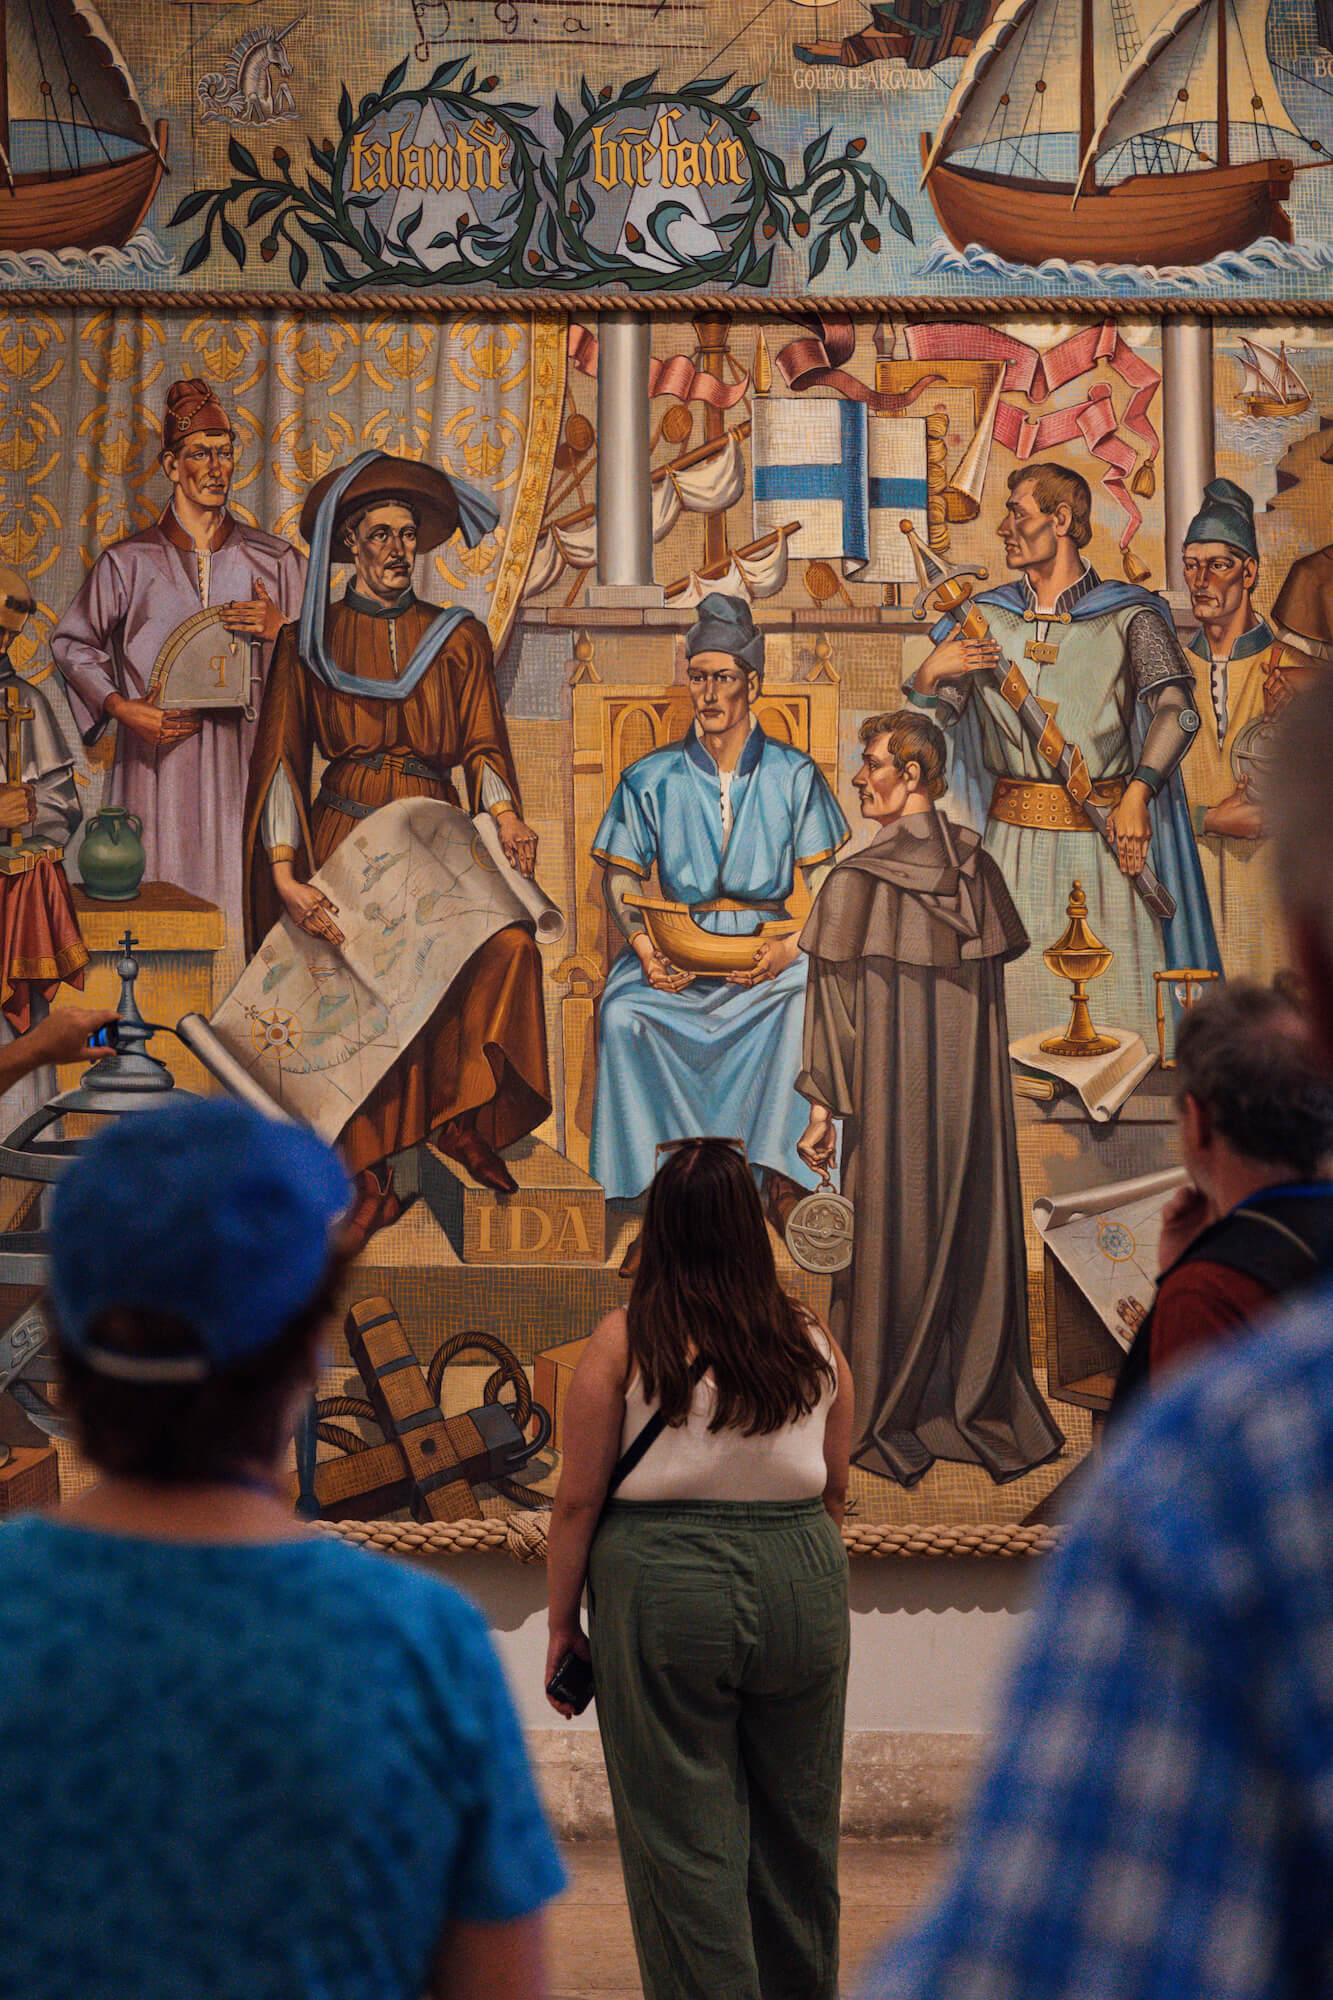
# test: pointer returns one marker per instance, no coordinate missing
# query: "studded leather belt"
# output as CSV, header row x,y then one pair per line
x,y
1024,802
394,760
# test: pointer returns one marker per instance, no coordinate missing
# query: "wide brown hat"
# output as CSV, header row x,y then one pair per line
x,y
420,486
1302,617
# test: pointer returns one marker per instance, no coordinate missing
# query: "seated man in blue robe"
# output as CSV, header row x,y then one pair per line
x,y
727,815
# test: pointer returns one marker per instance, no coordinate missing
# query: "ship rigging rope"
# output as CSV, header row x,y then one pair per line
x,y
48,98
1284,69
75,160
1037,99
1018,158
1166,150
1261,125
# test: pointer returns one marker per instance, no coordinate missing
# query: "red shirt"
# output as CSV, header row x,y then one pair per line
x,y
1200,1305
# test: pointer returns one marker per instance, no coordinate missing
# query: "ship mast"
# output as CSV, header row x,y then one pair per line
x,y
4,93
1087,93
1223,108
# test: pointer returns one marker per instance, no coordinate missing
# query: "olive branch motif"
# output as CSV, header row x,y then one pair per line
x,y
539,236
836,198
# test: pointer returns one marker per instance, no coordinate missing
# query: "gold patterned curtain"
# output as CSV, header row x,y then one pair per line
x,y
81,399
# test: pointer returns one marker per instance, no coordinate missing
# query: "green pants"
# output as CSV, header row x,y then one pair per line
x,y
719,1643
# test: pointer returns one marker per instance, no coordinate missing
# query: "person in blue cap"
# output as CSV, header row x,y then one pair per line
x,y
394,693
727,816
1241,672
246,1758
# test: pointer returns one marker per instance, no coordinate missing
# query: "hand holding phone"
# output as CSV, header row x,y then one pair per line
x,y
571,1682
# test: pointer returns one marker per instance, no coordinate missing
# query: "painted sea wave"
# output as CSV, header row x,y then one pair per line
x,y
1266,265
110,269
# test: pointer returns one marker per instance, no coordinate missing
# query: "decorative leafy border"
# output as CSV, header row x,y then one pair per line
x,y
538,239
339,225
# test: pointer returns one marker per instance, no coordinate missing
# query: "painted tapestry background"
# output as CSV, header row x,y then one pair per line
x,y
924,423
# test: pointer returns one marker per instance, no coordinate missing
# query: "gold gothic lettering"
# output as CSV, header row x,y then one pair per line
x,y
466,162
520,1231
627,156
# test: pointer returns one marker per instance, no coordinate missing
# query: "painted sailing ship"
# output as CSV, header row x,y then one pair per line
x,y
79,164
1069,134
1272,388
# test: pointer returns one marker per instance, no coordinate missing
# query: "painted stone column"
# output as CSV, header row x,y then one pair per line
x,y
1187,435
624,485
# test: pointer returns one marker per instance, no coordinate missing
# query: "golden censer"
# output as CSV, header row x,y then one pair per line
x,y
1078,955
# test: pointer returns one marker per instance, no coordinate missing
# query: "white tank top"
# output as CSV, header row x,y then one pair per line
x,y
690,1462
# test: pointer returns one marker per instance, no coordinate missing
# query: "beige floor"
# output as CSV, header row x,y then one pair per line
x,y
592,1952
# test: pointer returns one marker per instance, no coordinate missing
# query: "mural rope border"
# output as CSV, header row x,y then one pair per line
x,y
522,1537
797,306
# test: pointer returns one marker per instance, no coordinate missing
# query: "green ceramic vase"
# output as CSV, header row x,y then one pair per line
x,y
111,859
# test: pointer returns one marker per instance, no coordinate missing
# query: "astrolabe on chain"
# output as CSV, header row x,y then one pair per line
x,y
820,1229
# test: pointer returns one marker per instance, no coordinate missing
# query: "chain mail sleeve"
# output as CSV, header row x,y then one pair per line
x,y
1164,683
617,883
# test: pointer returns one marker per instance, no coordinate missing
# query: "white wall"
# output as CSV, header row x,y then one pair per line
x,y
930,1640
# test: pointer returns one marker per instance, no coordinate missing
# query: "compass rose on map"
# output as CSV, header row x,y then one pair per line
x,y
275,1032
1115,1241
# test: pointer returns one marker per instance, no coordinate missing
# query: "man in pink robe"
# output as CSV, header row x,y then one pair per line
x,y
182,771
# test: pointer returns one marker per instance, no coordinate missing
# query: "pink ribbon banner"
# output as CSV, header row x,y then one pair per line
x,y
675,376
1034,375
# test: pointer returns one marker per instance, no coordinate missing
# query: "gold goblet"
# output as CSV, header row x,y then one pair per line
x,y
1079,955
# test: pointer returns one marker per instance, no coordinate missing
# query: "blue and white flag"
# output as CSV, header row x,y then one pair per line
x,y
896,463
809,457
849,477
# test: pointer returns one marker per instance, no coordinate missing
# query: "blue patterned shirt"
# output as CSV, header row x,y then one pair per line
x,y
248,1772
1156,1822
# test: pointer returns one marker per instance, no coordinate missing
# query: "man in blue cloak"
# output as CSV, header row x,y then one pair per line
x,y
726,815
1103,660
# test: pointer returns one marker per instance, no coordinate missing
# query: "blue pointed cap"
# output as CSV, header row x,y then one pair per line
x,y
1226,515
726,625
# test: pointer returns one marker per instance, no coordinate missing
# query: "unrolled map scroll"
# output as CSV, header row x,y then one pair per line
x,y
1106,1238
311,1027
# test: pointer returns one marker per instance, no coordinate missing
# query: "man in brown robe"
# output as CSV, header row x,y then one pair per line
x,y
394,693
906,1041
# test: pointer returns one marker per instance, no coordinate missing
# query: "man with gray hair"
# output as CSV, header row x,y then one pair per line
x,y
1255,1116
1157,1815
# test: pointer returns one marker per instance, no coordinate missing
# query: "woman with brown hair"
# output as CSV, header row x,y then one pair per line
x,y
718,1585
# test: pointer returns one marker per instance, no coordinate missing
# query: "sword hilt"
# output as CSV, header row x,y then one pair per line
x,y
943,586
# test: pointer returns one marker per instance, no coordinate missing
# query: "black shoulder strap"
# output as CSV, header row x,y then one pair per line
x,y
1282,1241
647,1437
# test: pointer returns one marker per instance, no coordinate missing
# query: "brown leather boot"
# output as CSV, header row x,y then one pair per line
x,y
462,1142
376,1206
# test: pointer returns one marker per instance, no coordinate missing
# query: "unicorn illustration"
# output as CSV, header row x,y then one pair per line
x,y
252,87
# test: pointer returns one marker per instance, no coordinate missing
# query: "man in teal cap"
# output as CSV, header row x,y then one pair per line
x,y
1238,664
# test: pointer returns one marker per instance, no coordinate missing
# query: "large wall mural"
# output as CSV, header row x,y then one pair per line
x,y
386,396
